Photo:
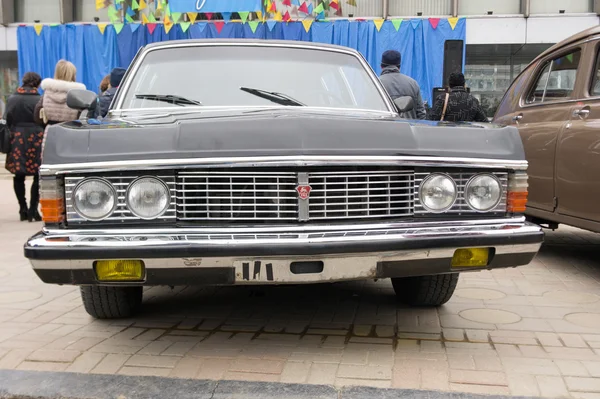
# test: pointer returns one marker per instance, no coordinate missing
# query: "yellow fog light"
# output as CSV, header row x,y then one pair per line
x,y
471,257
119,270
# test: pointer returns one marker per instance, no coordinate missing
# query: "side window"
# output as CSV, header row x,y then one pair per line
x,y
595,88
556,80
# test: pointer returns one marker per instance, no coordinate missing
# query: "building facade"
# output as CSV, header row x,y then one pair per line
x,y
503,36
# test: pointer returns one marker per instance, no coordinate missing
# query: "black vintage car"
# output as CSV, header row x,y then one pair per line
x,y
239,162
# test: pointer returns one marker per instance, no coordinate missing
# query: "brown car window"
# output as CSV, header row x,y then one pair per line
x,y
595,87
556,80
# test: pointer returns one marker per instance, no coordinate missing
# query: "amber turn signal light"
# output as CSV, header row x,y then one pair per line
x,y
516,199
119,270
52,200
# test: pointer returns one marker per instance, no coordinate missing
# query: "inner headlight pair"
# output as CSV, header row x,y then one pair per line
x,y
438,193
96,199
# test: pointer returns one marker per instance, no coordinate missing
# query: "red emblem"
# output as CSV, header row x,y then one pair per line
x,y
303,192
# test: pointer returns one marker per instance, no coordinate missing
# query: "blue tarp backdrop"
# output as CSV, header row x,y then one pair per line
x,y
95,54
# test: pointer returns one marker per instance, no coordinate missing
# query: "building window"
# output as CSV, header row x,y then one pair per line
x,y
411,8
485,7
561,6
30,11
85,11
490,69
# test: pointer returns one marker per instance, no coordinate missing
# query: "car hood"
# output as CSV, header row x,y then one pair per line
x,y
278,132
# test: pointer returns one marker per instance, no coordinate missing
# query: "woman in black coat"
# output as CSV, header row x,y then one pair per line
x,y
25,154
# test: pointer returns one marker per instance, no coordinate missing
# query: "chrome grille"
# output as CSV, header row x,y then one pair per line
x,y
461,179
237,196
350,195
121,183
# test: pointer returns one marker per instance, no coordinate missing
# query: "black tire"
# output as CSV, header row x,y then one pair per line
x,y
425,290
111,302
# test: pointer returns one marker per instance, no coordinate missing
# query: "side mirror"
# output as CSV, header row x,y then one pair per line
x,y
82,100
404,104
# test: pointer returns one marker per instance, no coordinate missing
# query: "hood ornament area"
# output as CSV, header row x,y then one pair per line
x,y
303,191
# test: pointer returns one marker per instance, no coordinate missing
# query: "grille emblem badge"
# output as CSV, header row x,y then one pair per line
x,y
303,191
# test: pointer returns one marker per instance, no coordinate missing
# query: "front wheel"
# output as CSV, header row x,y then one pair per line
x,y
425,290
111,302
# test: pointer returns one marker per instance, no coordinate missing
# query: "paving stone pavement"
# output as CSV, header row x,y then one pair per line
x,y
531,331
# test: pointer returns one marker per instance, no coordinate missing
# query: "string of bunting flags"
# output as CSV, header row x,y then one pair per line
x,y
121,13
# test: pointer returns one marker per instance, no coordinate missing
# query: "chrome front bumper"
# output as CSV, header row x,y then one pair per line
x,y
265,255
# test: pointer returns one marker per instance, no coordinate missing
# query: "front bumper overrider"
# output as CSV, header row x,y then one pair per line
x,y
276,255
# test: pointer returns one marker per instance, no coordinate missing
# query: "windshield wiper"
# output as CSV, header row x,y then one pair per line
x,y
278,98
168,98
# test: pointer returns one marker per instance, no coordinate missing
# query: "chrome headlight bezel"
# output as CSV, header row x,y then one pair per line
x,y
112,190
157,180
498,200
423,185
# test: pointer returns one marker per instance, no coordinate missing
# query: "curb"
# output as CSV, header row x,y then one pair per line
x,y
16,384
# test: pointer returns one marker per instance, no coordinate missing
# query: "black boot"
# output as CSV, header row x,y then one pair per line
x,y
33,215
23,213
35,200
19,187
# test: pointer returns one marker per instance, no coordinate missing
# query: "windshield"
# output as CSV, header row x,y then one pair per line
x,y
251,76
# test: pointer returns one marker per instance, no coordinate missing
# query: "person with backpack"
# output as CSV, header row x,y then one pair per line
x,y
458,105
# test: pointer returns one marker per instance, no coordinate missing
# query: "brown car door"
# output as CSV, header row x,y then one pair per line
x,y
541,117
578,148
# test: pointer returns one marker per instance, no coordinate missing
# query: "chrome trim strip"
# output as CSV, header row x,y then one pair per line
x,y
349,260
140,58
116,238
292,161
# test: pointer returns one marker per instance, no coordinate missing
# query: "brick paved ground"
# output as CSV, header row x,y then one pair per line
x,y
528,331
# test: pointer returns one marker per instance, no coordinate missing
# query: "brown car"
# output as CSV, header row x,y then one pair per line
x,y
555,103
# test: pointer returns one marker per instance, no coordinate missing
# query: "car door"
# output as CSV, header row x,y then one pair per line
x,y
541,117
578,148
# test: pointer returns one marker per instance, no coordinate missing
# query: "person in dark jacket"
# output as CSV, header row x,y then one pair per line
x,y
116,76
24,158
461,106
398,84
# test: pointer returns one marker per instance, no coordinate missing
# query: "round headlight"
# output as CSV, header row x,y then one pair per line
x,y
94,199
437,193
483,193
148,198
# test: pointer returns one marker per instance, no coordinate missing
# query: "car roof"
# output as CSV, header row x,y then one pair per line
x,y
251,42
572,39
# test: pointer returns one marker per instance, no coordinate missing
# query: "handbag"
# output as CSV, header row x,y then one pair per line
x,y
4,138
445,106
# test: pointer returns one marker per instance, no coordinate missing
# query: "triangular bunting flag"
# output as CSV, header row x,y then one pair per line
x,y
99,4
144,19
219,25
310,8
296,2
142,5
453,21
307,23
167,10
287,17
319,8
192,16
185,26
175,17
151,28
151,18
415,23
277,17
202,26
118,27
134,5
397,23
253,26
168,24
303,8
320,16
38,28
159,5
271,24
102,28
209,15
226,16
134,27
351,2
570,57
244,16
334,4
130,12
272,7
129,19
434,22
378,23
113,15
259,15
287,3
118,6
